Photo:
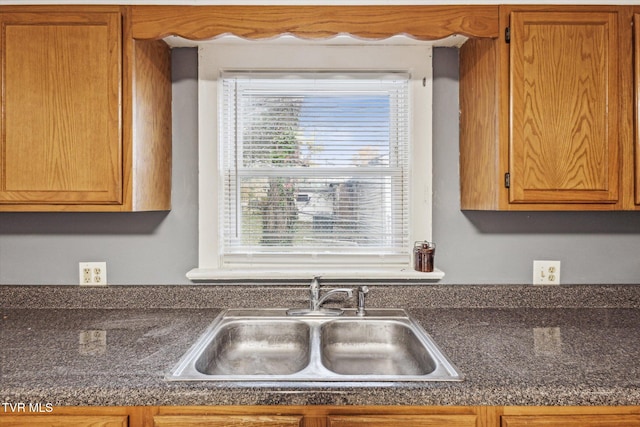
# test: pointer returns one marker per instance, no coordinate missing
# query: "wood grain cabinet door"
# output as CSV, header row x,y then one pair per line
x,y
402,420
64,420
60,127
564,145
571,421
227,420
636,79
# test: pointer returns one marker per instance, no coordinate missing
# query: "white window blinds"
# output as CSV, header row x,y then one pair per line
x,y
315,164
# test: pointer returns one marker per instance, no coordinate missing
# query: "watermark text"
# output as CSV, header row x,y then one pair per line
x,y
17,407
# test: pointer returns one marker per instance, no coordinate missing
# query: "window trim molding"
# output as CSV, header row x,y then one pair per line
x,y
236,57
238,276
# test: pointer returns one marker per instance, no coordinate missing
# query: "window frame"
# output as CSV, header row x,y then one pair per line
x,y
214,58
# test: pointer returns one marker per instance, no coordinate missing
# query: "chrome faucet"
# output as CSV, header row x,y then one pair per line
x,y
314,294
316,301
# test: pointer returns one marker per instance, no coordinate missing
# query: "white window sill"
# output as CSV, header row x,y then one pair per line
x,y
373,274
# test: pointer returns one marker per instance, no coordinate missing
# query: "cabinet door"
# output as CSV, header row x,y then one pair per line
x,y
402,420
227,420
60,127
564,144
64,420
571,421
636,79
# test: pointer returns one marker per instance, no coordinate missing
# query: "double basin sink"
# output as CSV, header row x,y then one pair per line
x,y
269,345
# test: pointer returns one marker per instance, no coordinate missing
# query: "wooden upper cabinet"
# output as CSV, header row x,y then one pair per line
x,y
636,78
564,144
546,111
61,139
86,118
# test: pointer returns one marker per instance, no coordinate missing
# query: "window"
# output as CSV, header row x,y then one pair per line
x,y
314,165
314,158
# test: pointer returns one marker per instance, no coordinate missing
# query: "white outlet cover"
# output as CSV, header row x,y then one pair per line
x,y
546,272
92,273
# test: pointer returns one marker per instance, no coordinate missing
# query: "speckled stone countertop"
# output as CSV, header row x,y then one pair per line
x,y
515,345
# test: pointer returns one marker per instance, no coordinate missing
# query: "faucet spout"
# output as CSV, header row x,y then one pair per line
x,y
319,302
315,301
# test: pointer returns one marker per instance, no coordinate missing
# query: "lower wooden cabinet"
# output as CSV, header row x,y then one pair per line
x,y
227,420
329,416
64,421
601,420
588,416
402,420
320,416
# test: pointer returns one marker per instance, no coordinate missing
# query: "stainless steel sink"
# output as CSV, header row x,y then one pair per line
x,y
374,347
265,345
256,347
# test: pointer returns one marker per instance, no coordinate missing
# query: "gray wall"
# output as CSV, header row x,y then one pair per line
x,y
473,247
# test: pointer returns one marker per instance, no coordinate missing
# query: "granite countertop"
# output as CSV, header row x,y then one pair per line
x,y
571,354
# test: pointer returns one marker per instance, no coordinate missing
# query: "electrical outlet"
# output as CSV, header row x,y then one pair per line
x,y
546,272
93,273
